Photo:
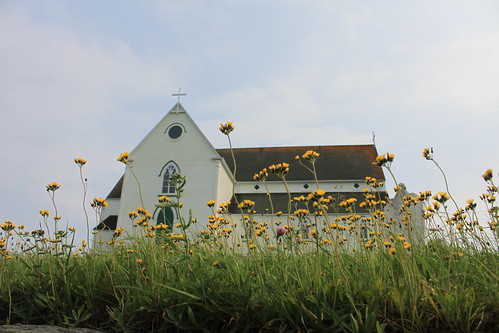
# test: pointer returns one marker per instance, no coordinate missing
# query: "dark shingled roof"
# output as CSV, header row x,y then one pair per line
x,y
108,224
335,162
116,191
280,202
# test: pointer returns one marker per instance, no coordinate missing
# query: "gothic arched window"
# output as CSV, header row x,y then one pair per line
x,y
168,171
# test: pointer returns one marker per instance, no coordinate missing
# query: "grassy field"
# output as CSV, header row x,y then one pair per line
x,y
144,287
308,270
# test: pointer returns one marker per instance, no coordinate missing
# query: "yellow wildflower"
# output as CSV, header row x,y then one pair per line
x,y
382,160
313,233
246,204
123,158
348,202
53,186
487,175
301,213
441,197
280,169
119,231
80,161
226,128
98,202
311,155
262,175
163,199
8,226
427,153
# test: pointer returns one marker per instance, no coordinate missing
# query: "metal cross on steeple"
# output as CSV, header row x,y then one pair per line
x,y
178,95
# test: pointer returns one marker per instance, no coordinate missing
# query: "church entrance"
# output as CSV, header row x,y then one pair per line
x,y
166,216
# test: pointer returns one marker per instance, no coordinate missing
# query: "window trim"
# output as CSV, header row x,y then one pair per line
x,y
168,129
163,174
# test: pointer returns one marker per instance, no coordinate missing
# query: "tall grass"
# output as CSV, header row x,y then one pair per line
x,y
154,289
305,271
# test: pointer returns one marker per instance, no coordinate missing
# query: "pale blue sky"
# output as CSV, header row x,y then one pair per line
x,y
90,79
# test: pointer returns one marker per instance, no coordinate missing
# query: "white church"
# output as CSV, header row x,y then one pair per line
x,y
177,145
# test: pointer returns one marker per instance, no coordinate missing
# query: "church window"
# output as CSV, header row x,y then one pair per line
x,y
169,170
174,131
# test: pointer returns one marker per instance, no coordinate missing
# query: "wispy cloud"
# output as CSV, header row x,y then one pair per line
x,y
63,95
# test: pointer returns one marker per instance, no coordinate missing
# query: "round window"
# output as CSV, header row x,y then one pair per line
x,y
175,131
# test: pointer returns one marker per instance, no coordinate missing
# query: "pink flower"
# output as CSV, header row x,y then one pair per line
x,y
281,231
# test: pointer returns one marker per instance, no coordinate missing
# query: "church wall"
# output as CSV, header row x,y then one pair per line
x,y
225,186
101,238
113,208
395,209
193,155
